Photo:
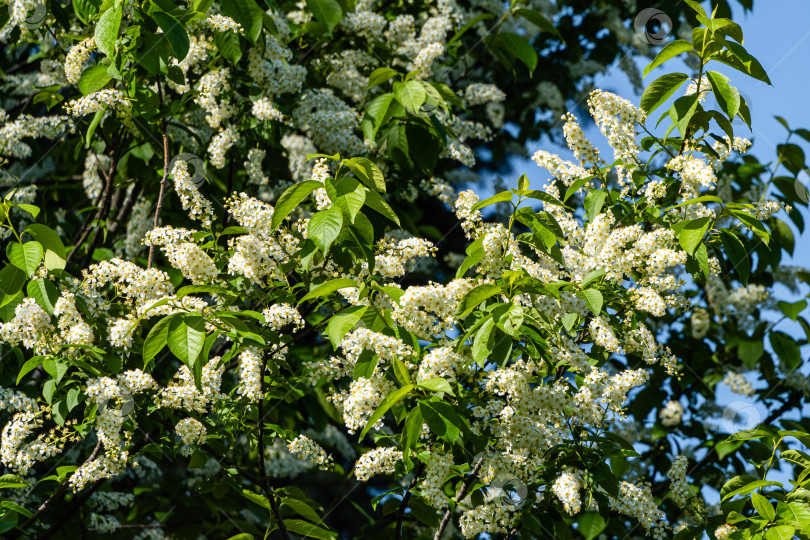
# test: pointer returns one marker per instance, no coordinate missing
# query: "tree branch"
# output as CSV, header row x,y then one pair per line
x,y
406,497
162,191
461,494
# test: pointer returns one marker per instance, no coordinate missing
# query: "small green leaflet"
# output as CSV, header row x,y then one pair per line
x,y
389,401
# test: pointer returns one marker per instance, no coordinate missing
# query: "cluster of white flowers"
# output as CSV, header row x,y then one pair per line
x,y
437,470
250,373
738,383
636,501
279,316
193,202
381,460
26,126
671,414
192,432
77,57
724,531
398,257
310,452
108,98
566,488
183,255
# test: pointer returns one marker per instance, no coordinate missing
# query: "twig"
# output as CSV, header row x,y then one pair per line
x,y
165,175
265,483
50,500
461,494
405,499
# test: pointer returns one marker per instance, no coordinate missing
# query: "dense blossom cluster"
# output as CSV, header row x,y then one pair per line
x,y
540,340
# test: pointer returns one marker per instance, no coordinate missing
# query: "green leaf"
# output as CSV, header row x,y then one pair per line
x,y
91,129
29,366
692,234
55,367
701,199
474,297
376,115
780,532
737,254
44,292
593,299
410,94
538,20
256,498
793,309
503,196
442,419
156,339
302,509
389,401
305,528
381,75
186,338
368,172
228,46
694,4
671,50
786,349
343,321
51,243
347,194
325,288
591,524
660,90
749,487
517,46
737,57
750,352
682,111
593,276
575,186
174,32
26,256
107,30
413,430
290,199
727,96
327,12
509,318
594,201
12,481
93,79
763,507
247,14
324,228
437,384
375,201
12,280
483,341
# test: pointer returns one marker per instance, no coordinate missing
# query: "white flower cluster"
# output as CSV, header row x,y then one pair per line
x,y
26,126
724,531
192,432
279,316
250,373
381,460
738,383
671,414
193,202
566,488
92,103
637,501
310,452
437,470
189,258
77,56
